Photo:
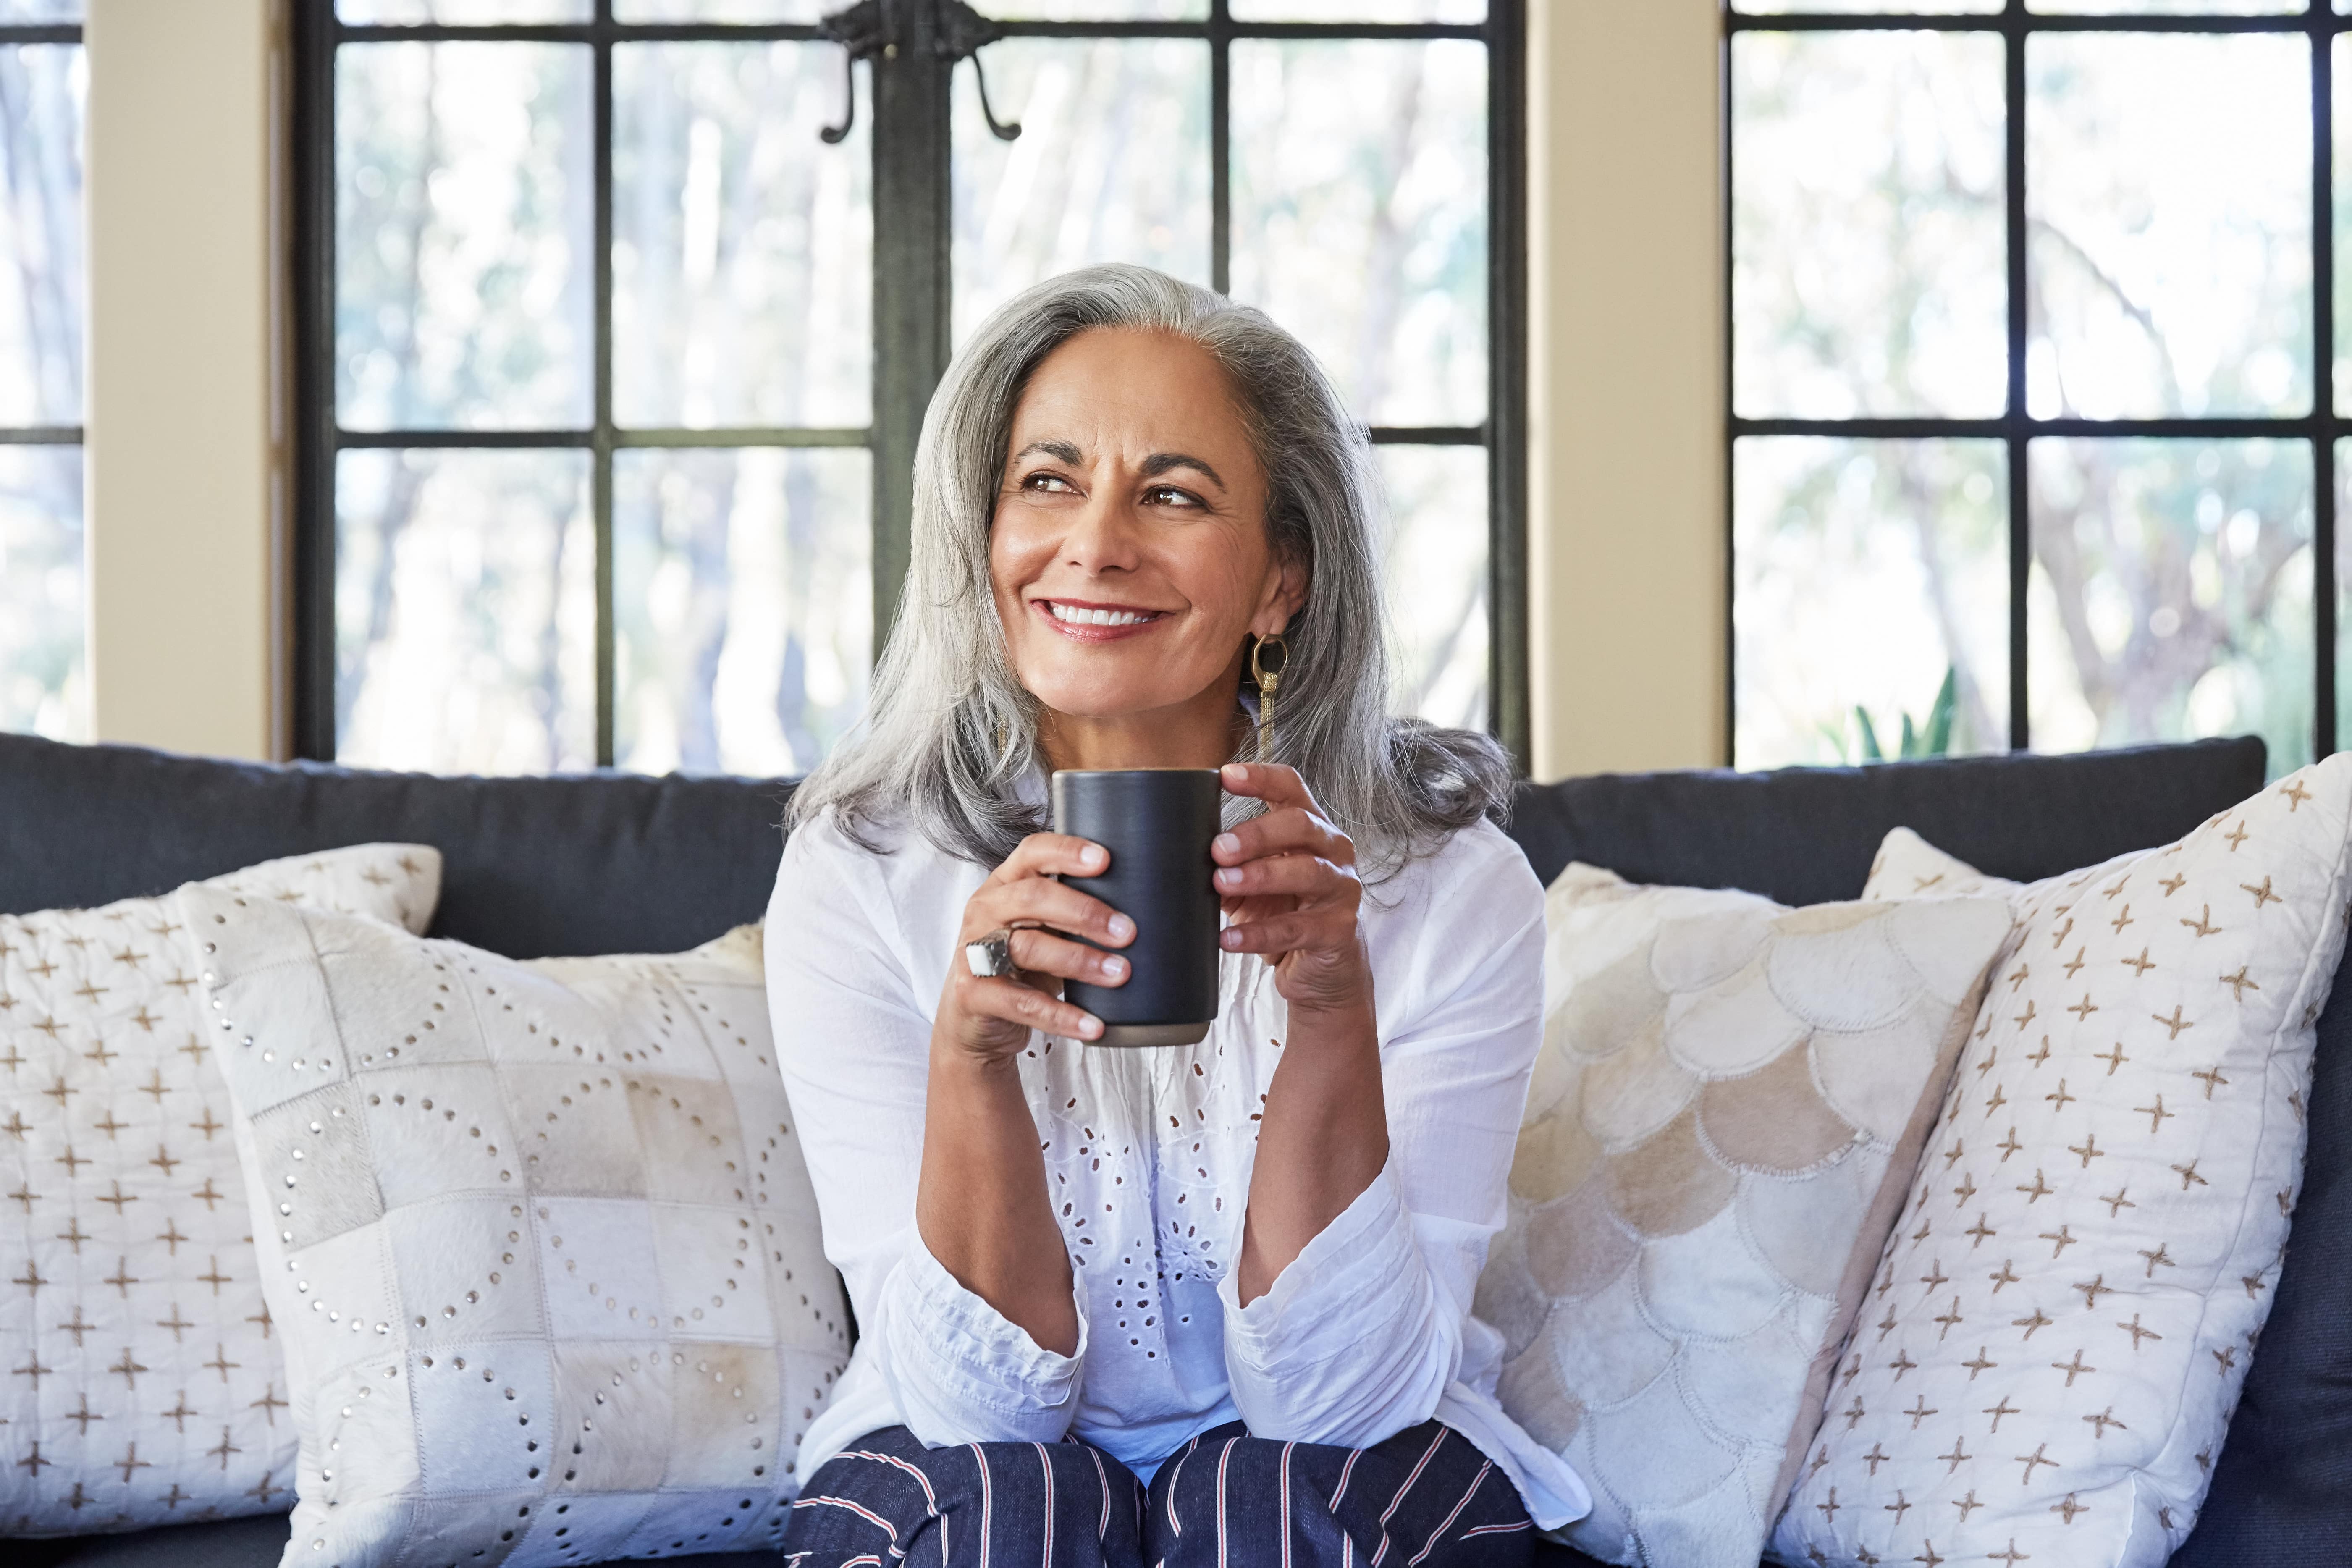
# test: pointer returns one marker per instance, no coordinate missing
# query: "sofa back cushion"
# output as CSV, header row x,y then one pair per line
x,y
1805,835
531,867
613,863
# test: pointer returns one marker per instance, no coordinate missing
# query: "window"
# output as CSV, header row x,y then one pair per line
x,y
620,318
44,662
2034,359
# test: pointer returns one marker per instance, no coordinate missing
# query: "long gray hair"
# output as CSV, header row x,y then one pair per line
x,y
950,731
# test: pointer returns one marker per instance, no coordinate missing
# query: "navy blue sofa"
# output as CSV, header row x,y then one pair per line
x,y
612,864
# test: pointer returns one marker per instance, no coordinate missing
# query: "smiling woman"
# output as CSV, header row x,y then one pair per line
x,y
1103,1259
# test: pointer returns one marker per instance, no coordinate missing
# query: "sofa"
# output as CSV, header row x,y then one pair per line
x,y
605,863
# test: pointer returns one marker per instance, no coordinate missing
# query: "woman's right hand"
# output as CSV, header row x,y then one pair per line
x,y
990,1018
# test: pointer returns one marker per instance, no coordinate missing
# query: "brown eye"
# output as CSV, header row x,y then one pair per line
x,y
1167,495
1044,482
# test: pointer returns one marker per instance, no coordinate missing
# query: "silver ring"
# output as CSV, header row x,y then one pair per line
x,y
990,956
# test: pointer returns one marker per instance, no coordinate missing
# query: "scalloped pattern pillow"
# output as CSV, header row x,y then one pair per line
x,y
144,1385
1725,1115
539,1234
2050,1354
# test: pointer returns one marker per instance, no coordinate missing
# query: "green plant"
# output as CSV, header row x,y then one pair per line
x,y
1932,738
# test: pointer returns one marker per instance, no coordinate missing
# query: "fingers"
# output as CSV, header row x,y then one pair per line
x,y
1282,830
1045,903
1023,1007
1052,855
1272,783
1308,877
1043,953
1299,931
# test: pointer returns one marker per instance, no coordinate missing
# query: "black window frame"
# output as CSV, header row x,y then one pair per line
x,y
2015,427
908,95
13,35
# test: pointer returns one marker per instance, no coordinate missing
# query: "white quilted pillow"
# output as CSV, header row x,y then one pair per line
x,y
2048,1360
538,1233
145,1385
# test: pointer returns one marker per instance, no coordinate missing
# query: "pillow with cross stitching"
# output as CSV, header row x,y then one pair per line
x,y
2050,1353
537,1235
143,1383
1724,1119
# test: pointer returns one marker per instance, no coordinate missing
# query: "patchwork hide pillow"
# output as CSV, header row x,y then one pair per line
x,y
1724,1119
2048,1361
144,1384
538,1236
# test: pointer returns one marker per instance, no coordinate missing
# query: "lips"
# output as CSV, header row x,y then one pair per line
x,y
1082,622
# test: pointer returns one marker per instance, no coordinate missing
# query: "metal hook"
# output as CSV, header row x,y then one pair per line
x,y
1005,133
862,33
962,32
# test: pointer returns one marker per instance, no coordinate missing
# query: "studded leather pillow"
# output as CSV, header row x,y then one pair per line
x,y
1724,1119
2046,1365
144,1384
539,1235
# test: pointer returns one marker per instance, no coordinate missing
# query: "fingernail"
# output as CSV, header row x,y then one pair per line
x,y
1092,855
1231,877
1121,928
1114,967
1235,771
1089,1026
1226,844
1228,938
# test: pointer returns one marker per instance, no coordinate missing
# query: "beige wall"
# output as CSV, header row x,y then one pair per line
x,y
1627,552
185,477
187,492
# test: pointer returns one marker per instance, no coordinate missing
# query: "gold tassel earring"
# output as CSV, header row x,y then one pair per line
x,y
1267,679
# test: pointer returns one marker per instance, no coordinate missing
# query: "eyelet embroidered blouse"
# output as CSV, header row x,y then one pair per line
x,y
1147,1158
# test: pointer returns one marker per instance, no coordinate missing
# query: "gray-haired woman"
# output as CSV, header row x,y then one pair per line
x,y
1239,1272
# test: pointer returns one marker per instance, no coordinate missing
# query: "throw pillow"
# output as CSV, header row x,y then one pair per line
x,y
539,1234
2051,1352
143,1383
1724,1119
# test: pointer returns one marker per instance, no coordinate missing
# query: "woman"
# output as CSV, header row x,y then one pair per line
x,y
1237,1272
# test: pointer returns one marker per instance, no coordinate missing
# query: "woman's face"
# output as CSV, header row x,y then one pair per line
x,y
1130,553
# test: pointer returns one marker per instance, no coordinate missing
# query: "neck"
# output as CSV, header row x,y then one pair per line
x,y
1199,732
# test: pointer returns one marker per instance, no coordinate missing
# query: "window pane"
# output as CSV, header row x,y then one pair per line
x,y
41,10
464,11
1093,11
2164,7
726,11
2171,594
1112,164
463,239
1436,558
1359,11
742,245
43,669
42,88
2170,236
744,613
2341,114
1864,575
1868,273
1914,7
1359,215
465,611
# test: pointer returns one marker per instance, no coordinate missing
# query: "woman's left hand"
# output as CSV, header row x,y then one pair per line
x,y
1288,879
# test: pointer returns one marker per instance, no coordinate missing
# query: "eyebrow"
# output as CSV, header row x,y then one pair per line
x,y
1154,465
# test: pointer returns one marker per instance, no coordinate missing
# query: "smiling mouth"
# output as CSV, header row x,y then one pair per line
x,y
1070,614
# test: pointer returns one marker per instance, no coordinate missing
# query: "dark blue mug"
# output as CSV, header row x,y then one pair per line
x,y
1157,824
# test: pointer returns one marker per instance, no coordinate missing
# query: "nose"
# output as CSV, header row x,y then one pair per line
x,y
1102,534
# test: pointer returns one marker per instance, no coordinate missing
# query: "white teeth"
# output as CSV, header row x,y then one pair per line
x,y
1072,616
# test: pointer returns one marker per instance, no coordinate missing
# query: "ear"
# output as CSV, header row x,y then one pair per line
x,y
1285,596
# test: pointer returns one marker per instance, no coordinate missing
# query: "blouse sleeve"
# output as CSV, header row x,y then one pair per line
x,y
853,1037
1358,1337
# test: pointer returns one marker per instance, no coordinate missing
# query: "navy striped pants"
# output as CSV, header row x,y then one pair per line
x,y
1424,1498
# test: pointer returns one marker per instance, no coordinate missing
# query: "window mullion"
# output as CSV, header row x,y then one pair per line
x,y
2020,520
2323,385
913,230
599,463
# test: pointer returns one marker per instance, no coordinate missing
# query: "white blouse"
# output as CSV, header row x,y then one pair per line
x,y
1148,1154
